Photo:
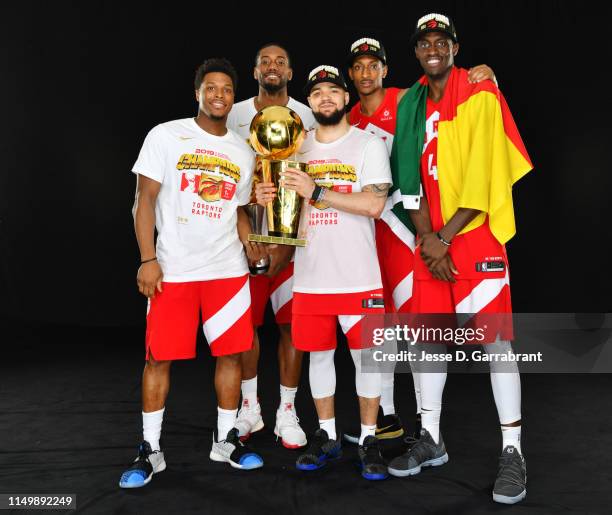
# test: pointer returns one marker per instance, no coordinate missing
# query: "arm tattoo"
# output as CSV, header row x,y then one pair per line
x,y
380,190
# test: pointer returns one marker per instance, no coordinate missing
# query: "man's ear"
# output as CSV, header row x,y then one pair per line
x,y
197,95
385,71
347,97
290,74
255,72
455,49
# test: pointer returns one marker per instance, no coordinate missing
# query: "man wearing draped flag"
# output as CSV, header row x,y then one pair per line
x,y
455,157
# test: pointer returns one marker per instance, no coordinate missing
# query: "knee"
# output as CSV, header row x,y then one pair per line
x,y
231,360
158,366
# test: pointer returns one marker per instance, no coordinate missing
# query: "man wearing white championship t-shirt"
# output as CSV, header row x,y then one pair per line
x,y
272,71
337,276
192,174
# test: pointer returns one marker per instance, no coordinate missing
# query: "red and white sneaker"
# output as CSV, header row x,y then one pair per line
x,y
248,420
288,428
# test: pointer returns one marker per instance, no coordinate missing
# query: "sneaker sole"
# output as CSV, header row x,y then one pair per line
x,y
504,499
374,477
257,427
416,470
351,438
147,480
222,459
317,467
288,445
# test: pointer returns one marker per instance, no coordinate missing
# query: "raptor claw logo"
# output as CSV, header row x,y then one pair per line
x,y
322,74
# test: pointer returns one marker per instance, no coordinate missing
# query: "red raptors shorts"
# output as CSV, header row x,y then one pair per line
x,y
396,259
313,324
279,289
174,314
486,303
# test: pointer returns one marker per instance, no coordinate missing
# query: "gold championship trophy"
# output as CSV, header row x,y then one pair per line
x,y
277,133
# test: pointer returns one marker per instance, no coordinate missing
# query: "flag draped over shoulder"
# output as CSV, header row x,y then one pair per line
x,y
480,151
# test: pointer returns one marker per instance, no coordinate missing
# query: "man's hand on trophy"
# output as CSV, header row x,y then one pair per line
x,y
255,251
265,193
280,257
296,180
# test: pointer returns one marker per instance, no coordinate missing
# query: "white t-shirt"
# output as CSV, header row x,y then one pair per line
x,y
340,256
242,113
197,234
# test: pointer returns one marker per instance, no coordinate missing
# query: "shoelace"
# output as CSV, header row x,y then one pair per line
x,y
511,474
372,453
410,440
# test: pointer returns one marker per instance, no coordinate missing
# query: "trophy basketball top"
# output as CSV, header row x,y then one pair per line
x,y
276,132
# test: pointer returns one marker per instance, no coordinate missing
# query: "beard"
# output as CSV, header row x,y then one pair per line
x,y
273,88
330,119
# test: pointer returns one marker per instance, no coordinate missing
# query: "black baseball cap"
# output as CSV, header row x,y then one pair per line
x,y
367,46
434,22
324,73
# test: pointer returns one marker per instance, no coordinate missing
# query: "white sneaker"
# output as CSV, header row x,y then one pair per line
x,y
288,428
248,420
231,450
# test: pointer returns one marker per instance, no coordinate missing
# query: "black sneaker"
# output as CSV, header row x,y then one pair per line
x,y
371,462
319,452
147,463
233,451
387,427
424,453
511,483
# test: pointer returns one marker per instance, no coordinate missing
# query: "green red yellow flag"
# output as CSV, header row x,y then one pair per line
x,y
480,151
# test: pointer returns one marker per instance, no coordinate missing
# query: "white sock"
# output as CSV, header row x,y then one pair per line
x,y
432,387
386,395
226,418
287,396
511,436
329,425
430,420
151,427
417,391
366,431
249,391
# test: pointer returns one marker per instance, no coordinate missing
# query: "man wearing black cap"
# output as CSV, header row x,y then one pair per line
x,y
376,112
337,277
456,155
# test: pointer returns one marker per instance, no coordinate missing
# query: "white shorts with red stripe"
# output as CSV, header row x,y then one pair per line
x,y
173,317
395,246
279,289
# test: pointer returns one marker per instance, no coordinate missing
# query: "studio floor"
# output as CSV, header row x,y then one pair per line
x,y
70,423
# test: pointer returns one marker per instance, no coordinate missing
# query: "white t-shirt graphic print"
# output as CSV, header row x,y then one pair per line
x,y
340,256
204,178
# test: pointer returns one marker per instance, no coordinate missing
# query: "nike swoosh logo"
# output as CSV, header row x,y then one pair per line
x,y
244,124
381,429
185,138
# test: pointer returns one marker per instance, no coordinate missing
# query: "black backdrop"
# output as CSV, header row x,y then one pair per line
x,y
82,84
